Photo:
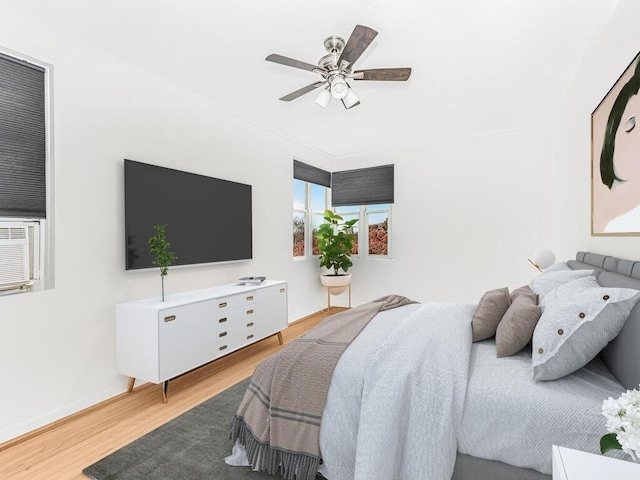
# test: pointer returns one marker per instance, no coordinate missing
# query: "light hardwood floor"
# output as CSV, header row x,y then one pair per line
x,y
60,451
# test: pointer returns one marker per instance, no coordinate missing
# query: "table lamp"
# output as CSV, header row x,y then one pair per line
x,y
542,258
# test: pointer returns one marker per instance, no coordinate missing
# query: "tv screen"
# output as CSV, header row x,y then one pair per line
x,y
208,219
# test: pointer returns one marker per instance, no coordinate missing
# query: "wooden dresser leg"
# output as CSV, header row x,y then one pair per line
x,y
280,338
165,391
132,380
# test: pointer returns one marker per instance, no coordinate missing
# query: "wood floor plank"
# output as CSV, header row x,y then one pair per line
x,y
62,449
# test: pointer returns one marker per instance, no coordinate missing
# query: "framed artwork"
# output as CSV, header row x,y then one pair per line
x,y
615,157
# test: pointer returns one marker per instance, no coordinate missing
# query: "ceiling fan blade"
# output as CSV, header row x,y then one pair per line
x,y
383,74
290,62
358,42
354,105
302,91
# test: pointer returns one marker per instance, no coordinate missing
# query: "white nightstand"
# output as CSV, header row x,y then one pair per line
x,y
571,464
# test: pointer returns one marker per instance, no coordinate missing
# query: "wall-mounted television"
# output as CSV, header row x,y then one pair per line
x,y
208,219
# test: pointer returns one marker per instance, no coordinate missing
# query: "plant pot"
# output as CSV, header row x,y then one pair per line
x,y
336,283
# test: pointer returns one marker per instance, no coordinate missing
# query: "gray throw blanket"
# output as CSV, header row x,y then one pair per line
x,y
278,421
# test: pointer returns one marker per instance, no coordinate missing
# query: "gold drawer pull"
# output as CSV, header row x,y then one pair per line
x,y
223,334
222,320
249,337
249,298
250,312
282,290
250,324
170,318
222,305
223,347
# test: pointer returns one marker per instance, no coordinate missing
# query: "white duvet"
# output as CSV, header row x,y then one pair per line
x,y
403,400
397,413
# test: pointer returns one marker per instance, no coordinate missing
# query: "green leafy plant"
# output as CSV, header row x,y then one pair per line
x,y
160,250
335,242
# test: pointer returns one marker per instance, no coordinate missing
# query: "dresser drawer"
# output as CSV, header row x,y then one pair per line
x,y
232,302
229,344
237,328
224,319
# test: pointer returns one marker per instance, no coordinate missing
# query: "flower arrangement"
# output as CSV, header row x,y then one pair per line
x,y
623,423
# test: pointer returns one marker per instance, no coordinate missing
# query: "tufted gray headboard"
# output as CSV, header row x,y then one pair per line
x,y
622,355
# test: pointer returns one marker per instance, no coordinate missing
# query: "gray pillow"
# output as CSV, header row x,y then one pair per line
x,y
579,318
546,282
515,329
491,308
525,290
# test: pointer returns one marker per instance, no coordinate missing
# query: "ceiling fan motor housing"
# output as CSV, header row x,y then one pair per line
x,y
334,44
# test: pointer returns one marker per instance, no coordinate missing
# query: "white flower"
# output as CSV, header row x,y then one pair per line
x,y
623,419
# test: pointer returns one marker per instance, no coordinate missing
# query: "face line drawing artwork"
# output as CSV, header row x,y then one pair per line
x,y
616,193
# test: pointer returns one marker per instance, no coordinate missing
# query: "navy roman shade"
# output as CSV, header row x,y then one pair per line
x,y
311,174
22,139
363,186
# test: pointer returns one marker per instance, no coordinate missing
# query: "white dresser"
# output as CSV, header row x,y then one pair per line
x,y
569,464
157,341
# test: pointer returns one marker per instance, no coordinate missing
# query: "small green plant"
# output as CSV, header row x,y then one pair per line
x,y
335,242
160,250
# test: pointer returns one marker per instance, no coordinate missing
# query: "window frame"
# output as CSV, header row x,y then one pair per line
x,y
308,214
362,211
43,248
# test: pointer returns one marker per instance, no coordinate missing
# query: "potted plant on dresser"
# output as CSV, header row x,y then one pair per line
x,y
335,243
160,251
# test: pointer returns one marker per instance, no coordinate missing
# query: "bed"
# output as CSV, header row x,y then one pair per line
x,y
395,409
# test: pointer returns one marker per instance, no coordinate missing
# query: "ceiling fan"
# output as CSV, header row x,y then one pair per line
x,y
337,67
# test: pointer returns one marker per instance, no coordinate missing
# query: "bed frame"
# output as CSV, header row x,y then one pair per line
x,y
621,356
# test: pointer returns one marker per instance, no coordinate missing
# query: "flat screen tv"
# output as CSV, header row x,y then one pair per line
x,y
208,219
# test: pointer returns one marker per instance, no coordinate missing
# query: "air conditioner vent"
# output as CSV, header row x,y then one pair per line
x,y
14,256
13,233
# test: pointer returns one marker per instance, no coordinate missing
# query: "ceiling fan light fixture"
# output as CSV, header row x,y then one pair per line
x,y
339,88
323,98
350,99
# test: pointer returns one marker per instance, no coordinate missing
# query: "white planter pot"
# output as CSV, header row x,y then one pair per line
x,y
336,283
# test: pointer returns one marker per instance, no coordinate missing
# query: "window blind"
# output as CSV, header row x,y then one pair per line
x,y
311,174
22,139
364,186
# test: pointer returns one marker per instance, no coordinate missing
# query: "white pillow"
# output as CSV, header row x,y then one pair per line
x,y
578,319
548,281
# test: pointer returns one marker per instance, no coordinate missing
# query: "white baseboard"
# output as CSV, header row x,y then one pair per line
x,y
60,413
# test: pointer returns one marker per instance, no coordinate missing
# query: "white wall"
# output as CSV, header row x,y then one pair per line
x,y
467,214
57,347
612,50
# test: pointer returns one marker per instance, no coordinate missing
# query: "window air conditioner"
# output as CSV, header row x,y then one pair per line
x,y
15,267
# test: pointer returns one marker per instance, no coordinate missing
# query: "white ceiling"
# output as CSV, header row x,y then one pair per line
x,y
478,65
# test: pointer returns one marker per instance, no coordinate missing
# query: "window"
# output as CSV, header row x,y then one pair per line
x,y
299,217
367,194
25,168
377,223
309,202
373,229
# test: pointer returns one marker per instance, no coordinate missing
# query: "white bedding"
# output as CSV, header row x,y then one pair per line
x,y
511,418
396,397
403,399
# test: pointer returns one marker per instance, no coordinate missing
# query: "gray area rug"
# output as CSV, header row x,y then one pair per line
x,y
189,447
